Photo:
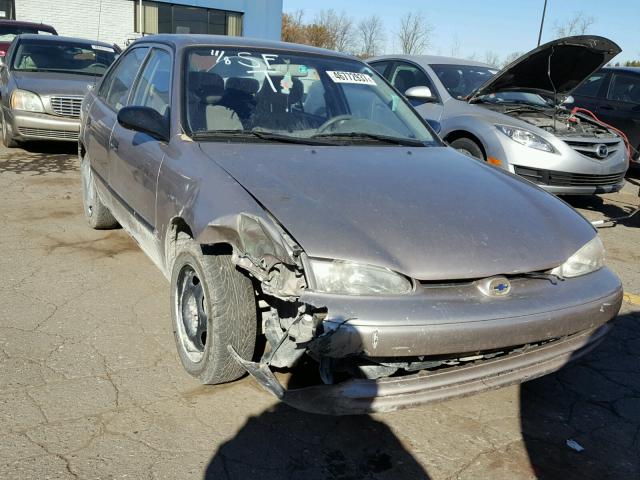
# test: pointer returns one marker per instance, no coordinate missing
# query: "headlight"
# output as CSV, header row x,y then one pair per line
x,y
526,138
29,101
348,278
586,260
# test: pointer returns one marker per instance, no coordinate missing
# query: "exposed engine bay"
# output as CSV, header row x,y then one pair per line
x,y
563,123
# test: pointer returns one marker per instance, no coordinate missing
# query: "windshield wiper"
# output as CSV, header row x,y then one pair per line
x,y
270,136
410,142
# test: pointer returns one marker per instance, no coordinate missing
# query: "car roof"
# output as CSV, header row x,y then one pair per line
x,y
431,60
181,41
623,69
59,39
20,23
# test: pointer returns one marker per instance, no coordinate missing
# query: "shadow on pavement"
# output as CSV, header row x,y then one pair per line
x,y
287,443
40,158
596,403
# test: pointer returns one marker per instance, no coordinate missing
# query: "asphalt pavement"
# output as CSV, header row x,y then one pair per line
x,y
91,385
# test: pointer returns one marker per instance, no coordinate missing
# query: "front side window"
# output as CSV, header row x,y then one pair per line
x,y
153,89
406,76
262,93
625,88
591,86
115,88
63,56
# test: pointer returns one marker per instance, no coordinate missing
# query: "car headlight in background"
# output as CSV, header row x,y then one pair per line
x,y
28,101
349,278
586,260
526,138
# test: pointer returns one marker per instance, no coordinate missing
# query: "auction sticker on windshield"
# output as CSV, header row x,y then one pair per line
x,y
351,77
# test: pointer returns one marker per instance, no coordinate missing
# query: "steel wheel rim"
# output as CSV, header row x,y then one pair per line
x,y
190,312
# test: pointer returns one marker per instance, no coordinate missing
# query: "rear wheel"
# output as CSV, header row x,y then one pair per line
x,y
468,147
7,139
97,214
212,306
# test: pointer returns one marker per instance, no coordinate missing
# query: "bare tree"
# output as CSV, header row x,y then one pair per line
x,y
491,58
455,46
339,27
578,24
293,28
414,33
473,57
371,35
510,58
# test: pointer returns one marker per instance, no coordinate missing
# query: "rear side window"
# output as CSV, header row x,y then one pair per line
x,y
153,88
625,88
116,86
591,86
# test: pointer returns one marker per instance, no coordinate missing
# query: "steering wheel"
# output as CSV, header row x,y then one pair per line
x,y
97,64
332,121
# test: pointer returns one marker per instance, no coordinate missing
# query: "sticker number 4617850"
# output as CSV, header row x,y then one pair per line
x,y
351,77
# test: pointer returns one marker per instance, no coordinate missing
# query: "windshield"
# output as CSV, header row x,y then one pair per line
x,y
461,81
276,96
67,57
9,32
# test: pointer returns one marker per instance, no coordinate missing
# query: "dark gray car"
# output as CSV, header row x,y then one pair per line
x,y
42,83
288,193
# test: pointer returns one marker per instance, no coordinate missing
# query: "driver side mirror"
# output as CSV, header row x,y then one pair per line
x,y
145,120
420,93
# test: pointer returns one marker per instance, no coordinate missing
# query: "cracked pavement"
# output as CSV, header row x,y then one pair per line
x,y
91,385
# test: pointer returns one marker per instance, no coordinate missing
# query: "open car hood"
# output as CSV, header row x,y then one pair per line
x,y
560,65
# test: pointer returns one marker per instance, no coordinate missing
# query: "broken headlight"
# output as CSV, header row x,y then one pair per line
x,y
586,260
349,278
526,138
28,101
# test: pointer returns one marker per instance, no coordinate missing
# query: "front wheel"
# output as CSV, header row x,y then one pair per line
x,y
213,305
468,147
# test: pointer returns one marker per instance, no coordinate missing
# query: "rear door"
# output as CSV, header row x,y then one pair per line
x,y
111,96
137,156
621,107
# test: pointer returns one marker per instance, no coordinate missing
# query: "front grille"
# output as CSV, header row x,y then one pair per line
x,y
66,106
590,148
565,179
47,133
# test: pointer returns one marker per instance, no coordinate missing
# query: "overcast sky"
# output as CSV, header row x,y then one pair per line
x,y
500,26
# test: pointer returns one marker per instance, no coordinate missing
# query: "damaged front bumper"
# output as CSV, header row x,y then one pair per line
x,y
539,327
361,396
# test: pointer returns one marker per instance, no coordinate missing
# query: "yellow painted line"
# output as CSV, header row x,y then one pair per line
x,y
632,298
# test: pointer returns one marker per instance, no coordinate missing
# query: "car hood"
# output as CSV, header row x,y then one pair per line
x,y
569,60
429,213
54,83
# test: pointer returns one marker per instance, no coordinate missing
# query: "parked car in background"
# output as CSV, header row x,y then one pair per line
x,y
514,118
294,199
43,82
10,29
613,94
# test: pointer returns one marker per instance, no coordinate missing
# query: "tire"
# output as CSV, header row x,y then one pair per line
x,y
96,213
7,139
468,147
212,305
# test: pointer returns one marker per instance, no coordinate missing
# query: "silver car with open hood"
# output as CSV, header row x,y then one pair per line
x,y
294,200
515,118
